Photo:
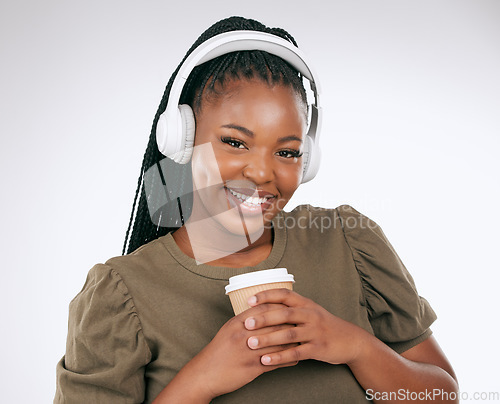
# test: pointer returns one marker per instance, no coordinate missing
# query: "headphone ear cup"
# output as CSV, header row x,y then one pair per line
x,y
161,135
306,154
311,158
187,128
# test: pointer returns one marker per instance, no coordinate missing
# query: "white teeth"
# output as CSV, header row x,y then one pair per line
x,y
248,200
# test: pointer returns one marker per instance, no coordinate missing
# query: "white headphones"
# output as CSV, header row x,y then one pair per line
x,y
176,126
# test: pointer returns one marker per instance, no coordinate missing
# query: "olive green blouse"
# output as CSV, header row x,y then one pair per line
x,y
141,317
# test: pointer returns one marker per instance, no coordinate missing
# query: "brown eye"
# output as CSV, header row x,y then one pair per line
x,y
237,144
291,153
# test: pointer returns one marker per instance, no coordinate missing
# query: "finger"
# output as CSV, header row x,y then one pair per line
x,y
290,335
268,368
270,329
279,358
287,315
261,308
283,296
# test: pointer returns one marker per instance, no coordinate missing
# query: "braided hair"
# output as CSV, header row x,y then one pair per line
x,y
155,218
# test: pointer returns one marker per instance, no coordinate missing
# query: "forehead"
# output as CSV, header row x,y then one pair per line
x,y
256,106
250,91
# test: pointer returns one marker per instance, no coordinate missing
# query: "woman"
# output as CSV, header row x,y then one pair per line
x,y
155,326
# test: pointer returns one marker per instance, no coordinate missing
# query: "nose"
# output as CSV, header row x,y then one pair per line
x,y
259,169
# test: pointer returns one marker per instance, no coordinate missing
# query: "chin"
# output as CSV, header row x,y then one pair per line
x,y
237,223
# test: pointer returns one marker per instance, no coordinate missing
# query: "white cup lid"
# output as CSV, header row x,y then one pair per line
x,y
258,278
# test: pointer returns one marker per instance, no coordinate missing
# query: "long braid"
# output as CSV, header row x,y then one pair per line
x,y
202,81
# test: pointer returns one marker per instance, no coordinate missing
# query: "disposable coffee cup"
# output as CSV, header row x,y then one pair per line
x,y
241,287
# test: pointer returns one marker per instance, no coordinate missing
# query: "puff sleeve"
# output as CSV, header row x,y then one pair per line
x,y
397,314
106,352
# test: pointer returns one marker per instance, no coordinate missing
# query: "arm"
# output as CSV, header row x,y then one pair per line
x,y
325,337
423,370
225,364
106,351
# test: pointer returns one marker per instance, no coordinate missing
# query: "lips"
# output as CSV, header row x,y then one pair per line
x,y
250,199
251,192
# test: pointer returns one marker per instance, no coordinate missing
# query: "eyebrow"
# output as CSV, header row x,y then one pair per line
x,y
249,133
239,128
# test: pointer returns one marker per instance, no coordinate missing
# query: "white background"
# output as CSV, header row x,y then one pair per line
x,y
410,138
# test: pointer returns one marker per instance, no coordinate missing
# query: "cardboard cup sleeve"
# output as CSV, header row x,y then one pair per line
x,y
241,287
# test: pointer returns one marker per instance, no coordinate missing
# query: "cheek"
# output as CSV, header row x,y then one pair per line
x,y
230,168
205,168
291,176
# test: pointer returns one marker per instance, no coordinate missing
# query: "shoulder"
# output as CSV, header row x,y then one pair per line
x,y
312,213
364,234
103,288
351,219
147,259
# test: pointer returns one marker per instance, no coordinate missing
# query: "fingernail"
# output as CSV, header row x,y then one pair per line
x,y
252,301
253,342
250,323
266,360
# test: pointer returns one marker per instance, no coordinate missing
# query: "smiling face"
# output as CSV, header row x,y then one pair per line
x,y
256,132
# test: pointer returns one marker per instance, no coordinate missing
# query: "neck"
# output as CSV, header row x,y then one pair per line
x,y
224,236
209,243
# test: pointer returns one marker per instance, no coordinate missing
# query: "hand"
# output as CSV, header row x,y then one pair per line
x,y
227,363
320,334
